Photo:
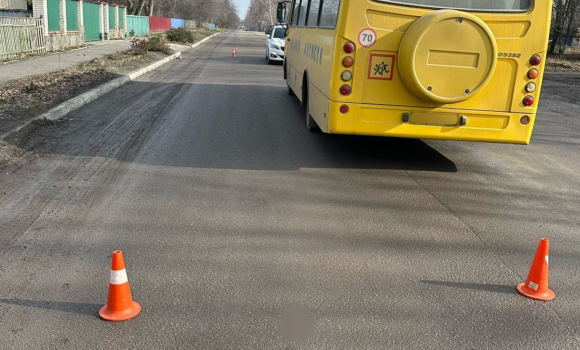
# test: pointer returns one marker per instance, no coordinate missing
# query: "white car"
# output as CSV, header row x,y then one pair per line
x,y
275,44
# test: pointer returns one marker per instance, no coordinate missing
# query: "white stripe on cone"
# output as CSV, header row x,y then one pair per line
x,y
118,277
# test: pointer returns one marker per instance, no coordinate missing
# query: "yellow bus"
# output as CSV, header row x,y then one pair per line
x,y
466,70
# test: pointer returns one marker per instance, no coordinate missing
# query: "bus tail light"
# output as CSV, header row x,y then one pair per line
x,y
530,87
535,60
533,73
347,61
344,109
346,75
525,120
528,101
349,47
345,90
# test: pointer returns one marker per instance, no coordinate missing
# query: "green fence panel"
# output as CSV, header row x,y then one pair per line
x,y
138,24
91,21
112,17
72,15
53,9
122,17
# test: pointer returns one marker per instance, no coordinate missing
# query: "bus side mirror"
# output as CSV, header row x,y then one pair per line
x,y
281,11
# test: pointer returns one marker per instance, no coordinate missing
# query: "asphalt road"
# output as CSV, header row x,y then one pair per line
x,y
242,230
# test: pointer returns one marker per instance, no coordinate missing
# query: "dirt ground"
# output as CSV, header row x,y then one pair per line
x,y
570,62
21,100
566,64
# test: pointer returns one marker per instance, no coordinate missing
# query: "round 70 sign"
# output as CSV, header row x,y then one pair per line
x,y
367,37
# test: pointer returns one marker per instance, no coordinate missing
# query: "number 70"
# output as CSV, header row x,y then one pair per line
x,y
367,37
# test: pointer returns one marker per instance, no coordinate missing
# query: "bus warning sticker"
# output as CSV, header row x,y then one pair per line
x,y
381,66
367,37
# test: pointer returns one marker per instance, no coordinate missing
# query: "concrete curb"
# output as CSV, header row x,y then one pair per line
x,y
77,102
204,40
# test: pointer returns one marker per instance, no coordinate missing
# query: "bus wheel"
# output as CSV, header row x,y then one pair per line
x,y
310,123
290,91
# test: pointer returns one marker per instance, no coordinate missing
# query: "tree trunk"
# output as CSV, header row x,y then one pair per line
x,y
142,4
151,3
130,6
557,27
571,16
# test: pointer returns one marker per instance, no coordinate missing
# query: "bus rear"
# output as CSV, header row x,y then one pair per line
x,y
438,69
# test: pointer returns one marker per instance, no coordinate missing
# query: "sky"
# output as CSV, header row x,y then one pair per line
x,y
242,7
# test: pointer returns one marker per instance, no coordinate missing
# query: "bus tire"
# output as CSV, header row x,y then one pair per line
x,y
290,91
310,122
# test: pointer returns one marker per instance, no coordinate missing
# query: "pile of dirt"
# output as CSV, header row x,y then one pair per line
x,y
23,99
10,156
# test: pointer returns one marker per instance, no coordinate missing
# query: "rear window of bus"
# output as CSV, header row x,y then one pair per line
x,y
469,5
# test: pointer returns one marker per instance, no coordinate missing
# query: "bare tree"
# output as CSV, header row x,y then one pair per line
x,y
222,12
261,12
563,17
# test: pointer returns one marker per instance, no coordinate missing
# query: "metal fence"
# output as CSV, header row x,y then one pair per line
x,y
139,25
112,17
189,24
72,16
92,24
53,12
122,17
21,36
159,24
177,23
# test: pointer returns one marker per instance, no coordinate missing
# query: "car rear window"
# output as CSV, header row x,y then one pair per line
x,y
473,5
279,33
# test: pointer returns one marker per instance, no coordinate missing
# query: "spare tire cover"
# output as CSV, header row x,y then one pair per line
x,y
447,56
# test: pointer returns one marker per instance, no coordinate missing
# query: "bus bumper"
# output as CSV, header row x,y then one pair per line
x,y
425,123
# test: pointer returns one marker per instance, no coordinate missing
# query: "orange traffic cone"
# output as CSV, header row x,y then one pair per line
x,y
536,286
234,53
120,306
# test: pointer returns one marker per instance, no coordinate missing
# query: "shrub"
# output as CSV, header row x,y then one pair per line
x,y
181,35
159,44
140,47
132,33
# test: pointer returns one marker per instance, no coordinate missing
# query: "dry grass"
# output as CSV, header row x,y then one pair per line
x,y
204,33
554,64
570,62
43,89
